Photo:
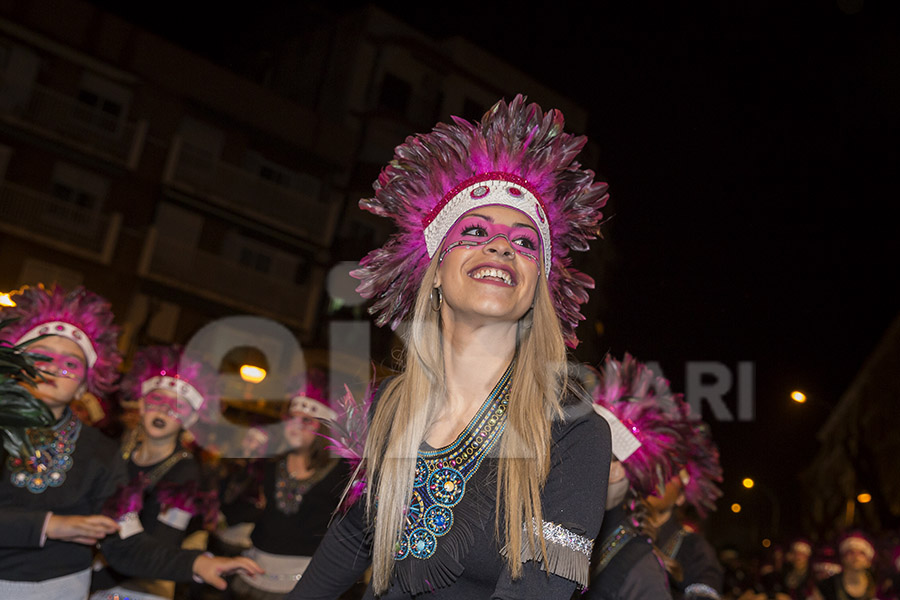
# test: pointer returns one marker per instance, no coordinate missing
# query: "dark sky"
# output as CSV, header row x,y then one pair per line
x,y
751,150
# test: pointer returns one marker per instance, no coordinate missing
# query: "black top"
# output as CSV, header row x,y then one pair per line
x,y
298,530
703,574
182,468
95,473
833,589
624,566
470,565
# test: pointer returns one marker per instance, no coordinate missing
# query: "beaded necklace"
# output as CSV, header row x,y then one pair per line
x,y
441,475
289,492
52,457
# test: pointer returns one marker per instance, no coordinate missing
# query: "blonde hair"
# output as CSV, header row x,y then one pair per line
x,y
410,402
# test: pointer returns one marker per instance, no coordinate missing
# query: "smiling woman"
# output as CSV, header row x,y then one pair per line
x,y
481,453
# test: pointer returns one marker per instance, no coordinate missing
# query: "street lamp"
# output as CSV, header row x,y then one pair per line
x,y
798,397
864,498
735,508
748,483
5,300
252,374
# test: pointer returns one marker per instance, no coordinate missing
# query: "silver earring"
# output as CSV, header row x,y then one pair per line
x,y
437,299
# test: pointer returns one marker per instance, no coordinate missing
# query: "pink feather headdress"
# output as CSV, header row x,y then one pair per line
x,y
80,315
436,175
699,456
168,368
348,435
645,405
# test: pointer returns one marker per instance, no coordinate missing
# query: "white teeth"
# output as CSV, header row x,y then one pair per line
x,y
491,272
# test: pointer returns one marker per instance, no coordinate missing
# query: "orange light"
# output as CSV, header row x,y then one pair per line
x,y
252,374
735,508
766,542
5,300
798,397
748,483
864,498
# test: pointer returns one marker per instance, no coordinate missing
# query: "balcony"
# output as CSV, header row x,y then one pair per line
x,y
216,278
191,170
42,218
64,119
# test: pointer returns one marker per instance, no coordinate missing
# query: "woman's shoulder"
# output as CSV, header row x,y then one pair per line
x,y
579,418
580,434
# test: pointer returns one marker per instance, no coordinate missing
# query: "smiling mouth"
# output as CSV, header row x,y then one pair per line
x,y
493,274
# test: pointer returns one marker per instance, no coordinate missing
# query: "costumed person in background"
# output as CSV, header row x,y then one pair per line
x,y
302,490
798,580
487,472
625,566
855,581
164,490
50,503
694,569
889,586
241,494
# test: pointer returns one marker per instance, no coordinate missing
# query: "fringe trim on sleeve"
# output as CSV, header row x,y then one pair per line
x,y
568,553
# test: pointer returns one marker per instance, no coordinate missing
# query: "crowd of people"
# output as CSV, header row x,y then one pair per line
x,y
488,466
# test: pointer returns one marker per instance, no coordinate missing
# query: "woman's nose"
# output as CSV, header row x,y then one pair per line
x,y
499,244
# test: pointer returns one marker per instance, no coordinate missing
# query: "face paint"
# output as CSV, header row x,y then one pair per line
x,y
60,365
166,404
477,230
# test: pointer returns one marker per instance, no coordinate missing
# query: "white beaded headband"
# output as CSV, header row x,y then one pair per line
x,y
495,188
66,330
182,389
312,407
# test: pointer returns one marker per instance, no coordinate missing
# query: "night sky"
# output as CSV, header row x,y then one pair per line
x,y
750,151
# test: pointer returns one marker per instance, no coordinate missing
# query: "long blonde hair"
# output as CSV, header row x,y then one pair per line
x,y
410,402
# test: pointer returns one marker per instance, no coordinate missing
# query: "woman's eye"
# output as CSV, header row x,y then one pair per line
x,y
474,230
526,243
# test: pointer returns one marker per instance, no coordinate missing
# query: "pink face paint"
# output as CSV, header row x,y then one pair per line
x,y
475,230
60,365
157,401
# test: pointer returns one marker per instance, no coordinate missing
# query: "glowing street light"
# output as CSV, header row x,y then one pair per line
x,y
798,397
5,300
735,508
252,374
766,542
864,498
748,483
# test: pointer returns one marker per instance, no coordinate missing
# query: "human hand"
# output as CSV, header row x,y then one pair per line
x,y
211,568
80,529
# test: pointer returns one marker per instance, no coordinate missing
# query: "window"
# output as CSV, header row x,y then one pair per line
x,y
256,260
395,94
78,197
36,271
279,175
101,105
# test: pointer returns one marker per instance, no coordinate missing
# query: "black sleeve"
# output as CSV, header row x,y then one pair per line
x,y
143,556
700,565
647,579
340,560
21,527
574,497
